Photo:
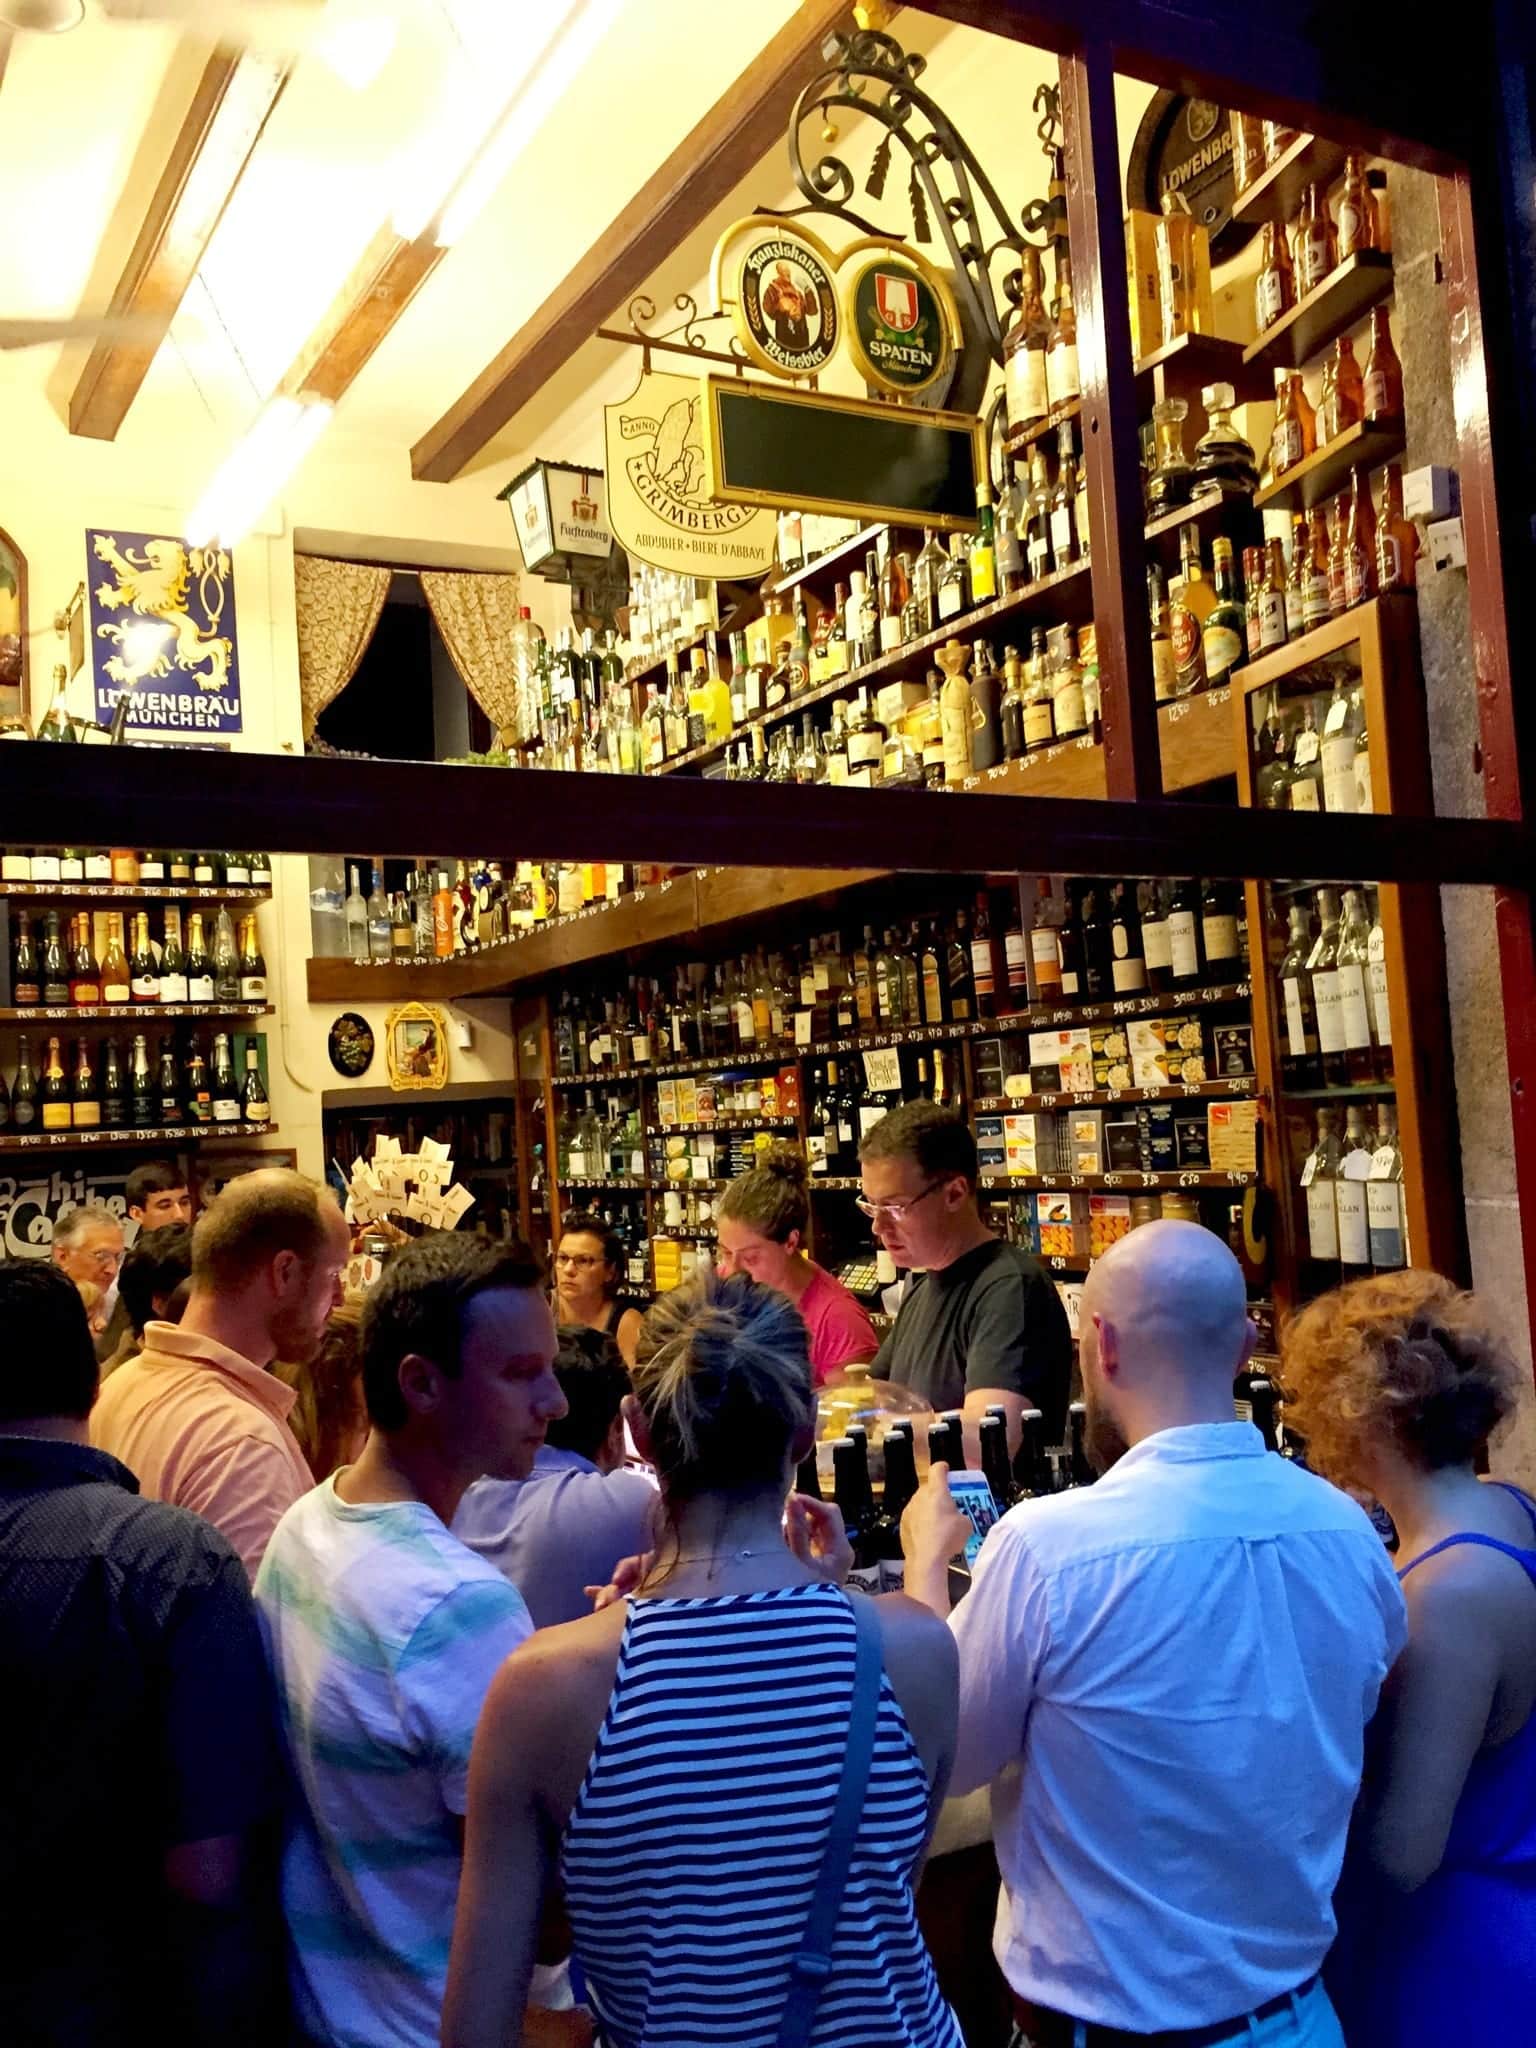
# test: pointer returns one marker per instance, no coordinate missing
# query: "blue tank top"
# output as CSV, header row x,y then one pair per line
x,y
693,1847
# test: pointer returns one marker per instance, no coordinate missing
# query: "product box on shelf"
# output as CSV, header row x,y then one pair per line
x,y
1061,1059
788,1092
1159,1139
1231,1050
991,1147
1109,1219
1111,1058
894,700
1122,1144
1085,1140
666,1102
1234,1135
1193,1135
1141,281
1029,1139
1062,1222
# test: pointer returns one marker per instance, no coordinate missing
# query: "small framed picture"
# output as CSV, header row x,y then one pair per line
x,y
416,1046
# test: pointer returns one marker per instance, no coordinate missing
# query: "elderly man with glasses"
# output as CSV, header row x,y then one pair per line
x,y
983,1327
88,1245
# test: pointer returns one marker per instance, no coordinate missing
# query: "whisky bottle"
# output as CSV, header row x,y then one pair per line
x,y
1164,668
26,975
1305,783
1274,288
1353,969
1323,966
24,1088
952,585
143,970
253,968
226,962
1397,538
173,961
84,974
986,717
1064,547
169,1087
983,965
1349,1192
114,1089
1069,701
1359,544
1039,712
1319,1180
1358,225
1299,1059
55,1091
1338,752
1038,517
895,586
1063,381
1315,242
1191,602
1272,600
254,1107
1219,938
920,615
1011,712
55,965
1045,951
1385,1222
199,966
1381,390
1024,357
226,1101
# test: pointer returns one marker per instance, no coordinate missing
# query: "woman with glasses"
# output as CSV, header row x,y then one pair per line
x,y
589,1261
762,1218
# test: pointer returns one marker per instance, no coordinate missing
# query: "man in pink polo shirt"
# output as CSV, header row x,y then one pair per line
x,y
198,1416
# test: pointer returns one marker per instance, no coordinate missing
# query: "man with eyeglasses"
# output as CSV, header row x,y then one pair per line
x,y
88,1246
983,1326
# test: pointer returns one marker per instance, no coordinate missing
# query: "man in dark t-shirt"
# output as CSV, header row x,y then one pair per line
x,y
140,1764
982,1326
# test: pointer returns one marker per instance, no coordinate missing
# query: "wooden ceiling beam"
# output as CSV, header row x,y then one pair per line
x,y
383,283
733,136
235,94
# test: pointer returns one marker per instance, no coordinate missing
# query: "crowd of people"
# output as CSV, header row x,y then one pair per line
x,y
520,1696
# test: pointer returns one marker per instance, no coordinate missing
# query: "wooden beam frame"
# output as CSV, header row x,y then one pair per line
x,y
234,96
734,135
383,283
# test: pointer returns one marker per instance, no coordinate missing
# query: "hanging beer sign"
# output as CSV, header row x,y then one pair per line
x,y
903,327
658,488
776,280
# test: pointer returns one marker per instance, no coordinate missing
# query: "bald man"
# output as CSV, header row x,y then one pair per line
x,y
1179,1664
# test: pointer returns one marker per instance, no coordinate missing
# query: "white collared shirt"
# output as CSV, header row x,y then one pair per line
x,y
1180,1662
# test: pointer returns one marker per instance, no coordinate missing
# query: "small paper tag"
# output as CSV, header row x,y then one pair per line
x,y
882,1070
1308,1171
1382,1163
803,1022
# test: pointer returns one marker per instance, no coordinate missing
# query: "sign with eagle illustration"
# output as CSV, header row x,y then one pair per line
x,y
163,627
658,490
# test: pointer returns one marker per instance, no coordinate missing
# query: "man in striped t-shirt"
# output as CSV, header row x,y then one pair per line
x,y
385,1632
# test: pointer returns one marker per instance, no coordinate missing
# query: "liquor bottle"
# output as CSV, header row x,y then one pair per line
x,y
226,1101
1273,630
1098,958
1349,1192
1163,666
983,968
1315,242
1397,538
1323,965
898,608
1012,572
953,584
254,1107
900,1487
143,970
986,710
1128,968
26,973
1337,602
1024,357
1319,1180
1274,288
1296,578
960,983
84,974
865,740
920,615
1340,792
1011,710
114,1090
55,1091
226,961
1191,601
1184,933
24,1089
253,967
1172,481
1288,437
981,559
1063,381
1386,1224
1073,965
1224,460
1039,711
956,710
168,1095
1358,224
1069,697
1304,791
1247,149
377,911
1359,543
1037,517
799,675
1300,1060
85,1101
1045,951
1353,967
851,1490
1156,938
1064,535
1219,938
199,966
173,960
356,912
653,729
1253,584
1381,391
1222,631
402,928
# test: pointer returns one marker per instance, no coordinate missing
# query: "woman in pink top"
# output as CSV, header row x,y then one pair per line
x,y
762,1217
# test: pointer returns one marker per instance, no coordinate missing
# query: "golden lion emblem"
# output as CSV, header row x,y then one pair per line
x,y
152,582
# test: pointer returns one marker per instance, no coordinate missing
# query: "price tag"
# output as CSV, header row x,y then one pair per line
x,y
1113,1180
803,1021
1189,1180
1357,1166
882,1070
1383,1163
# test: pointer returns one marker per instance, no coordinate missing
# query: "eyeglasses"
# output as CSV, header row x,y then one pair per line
x,y
107,1260
894,1211
577,1259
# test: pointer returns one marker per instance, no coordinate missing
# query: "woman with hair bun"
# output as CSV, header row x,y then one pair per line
x,y
678,1756
762,1219
1397,1384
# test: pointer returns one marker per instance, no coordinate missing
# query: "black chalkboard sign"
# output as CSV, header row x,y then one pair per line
x,y
805,450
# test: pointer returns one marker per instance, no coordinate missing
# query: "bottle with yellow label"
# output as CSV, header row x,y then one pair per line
x,y
983,552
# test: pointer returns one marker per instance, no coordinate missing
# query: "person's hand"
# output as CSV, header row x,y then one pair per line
x,y
933,1530
628,1574
814,1531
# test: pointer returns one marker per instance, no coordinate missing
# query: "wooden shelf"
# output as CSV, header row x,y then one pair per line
x,y
1184,366
1343,298
139,892
1326,470
852,551
106,1013
1037,1019
1132,1180
1347,630
589,1181
159,1134
1276,194
1232,1087
724,1123
1046,429
703,1233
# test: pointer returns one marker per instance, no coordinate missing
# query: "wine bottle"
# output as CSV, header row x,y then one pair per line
x,y
169,1092
114,1093
254,1107
199,1097
173,961
253,968
55,967
226,1100
84,975
55,1090
26,976
5,1105
85,1103
143,969
24,1089
142,1101
199,966
115,984
226,964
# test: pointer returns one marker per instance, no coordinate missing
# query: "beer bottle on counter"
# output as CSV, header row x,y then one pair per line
x,y
850,1482
24,1089
807,1476
1031,1471
953,1424
900,1486
114,1094
142,1098
1264,1410
1080,1472
994,1461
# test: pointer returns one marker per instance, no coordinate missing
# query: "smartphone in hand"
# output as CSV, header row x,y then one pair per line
x,y
973,1497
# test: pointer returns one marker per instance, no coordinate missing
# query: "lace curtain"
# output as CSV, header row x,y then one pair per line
x,y
475,614
338,605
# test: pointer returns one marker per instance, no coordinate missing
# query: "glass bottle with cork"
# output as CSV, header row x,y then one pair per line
x,y
1024,356
1224,461
1172,480
1063,380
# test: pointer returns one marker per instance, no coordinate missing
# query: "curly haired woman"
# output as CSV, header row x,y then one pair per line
x,y
1397,1384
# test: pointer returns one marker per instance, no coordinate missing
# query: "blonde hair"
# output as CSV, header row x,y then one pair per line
x,y
1408,1356
723,1374
773,1197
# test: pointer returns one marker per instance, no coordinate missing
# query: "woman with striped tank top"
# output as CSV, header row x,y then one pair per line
x,y
675,1759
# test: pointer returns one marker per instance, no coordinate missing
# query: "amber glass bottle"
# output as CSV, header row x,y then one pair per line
x,y
1381,395
1316,243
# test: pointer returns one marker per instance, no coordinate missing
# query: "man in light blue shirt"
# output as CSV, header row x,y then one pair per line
x,y
563,1529
1169,1677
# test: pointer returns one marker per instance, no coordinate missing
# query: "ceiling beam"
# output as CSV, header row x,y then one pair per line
x,y
734,135
383,283
235,93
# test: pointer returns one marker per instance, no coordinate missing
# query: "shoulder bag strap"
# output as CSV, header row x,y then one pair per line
x,y
812,1965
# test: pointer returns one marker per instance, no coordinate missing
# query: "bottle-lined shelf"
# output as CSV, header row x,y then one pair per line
x,y
1324,473
1330,309
852,550
157,1134
1228,1087
141,892
722,1123
698,1234
587,1181
1129,1180
1276,194
104,1013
